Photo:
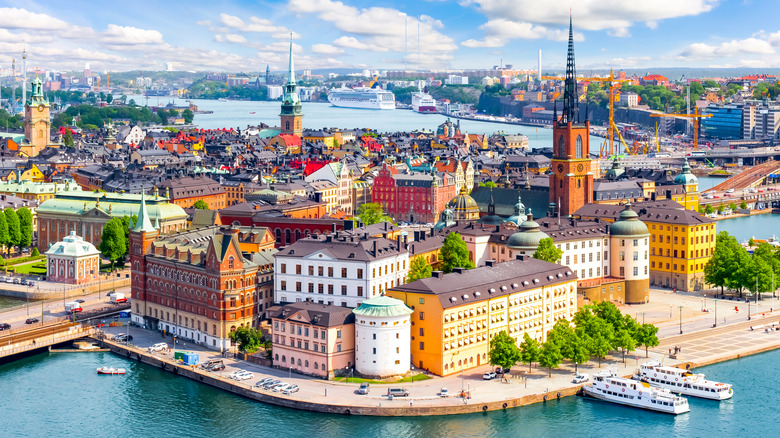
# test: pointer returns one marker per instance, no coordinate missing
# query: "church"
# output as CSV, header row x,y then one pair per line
x,y
37,123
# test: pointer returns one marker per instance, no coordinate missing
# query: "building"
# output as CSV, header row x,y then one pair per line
x,y
195,284
725,123
455,315
414,196
338,174
463,208
87,213
629,99
72,261
37,191
457,80
37,123
382,337
760,122
571,183
341,268
314,339
292,115
630,244
185,192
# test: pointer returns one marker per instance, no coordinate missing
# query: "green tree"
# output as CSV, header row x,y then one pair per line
x,y
4,237
419,268
201,205
109,98
720,267
503,351
709,209
248,339
14,230
547,251
372,213
550,356
733,206
490,184
35,252
572,347
123,99
696,89
163,115
743,205
625,341
529,350
455,253
25,226
67,138
188,116
113,243
646,337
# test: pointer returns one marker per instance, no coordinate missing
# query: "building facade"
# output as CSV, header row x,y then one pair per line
x,y
291,116
382,337
413,197
72,261
185,192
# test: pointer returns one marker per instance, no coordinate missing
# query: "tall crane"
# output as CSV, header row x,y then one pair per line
x,y
694,116
607,146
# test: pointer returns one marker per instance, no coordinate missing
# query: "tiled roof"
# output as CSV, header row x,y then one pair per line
x,y
320,315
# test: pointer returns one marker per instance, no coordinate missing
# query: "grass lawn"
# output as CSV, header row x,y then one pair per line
x,y
415,378
32,268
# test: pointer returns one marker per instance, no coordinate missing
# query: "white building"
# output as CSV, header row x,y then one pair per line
x,y
274,92
457,80
382,337
340,269
73,261
131,134
338,174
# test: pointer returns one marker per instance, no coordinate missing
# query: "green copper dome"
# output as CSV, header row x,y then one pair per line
x,y
628,225
382,307
528,237
686,177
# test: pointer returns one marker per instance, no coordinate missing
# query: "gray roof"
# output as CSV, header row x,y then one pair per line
x,y
669,212
321,315
343,247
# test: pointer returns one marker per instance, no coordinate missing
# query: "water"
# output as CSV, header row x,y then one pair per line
x,y
708,182
61,395
6,302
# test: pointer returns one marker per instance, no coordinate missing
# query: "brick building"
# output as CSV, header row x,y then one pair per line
x,y
413,197
184,192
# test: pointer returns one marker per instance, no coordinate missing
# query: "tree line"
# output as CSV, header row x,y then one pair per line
x,y
597,329
16,228
732,267
114,242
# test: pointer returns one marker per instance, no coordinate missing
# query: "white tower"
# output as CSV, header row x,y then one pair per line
x,y
540,65
382,337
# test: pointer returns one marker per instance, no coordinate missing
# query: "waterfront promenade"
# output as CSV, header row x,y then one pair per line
x,y
700,345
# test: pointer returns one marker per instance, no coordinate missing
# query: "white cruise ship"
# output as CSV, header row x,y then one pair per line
x,y
362,97
682,381
609,387
423,103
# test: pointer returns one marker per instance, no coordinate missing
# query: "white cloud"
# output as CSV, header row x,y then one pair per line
x,y
727,49
255,24
498,33
230,38
326,49
353,43
126,35
14,18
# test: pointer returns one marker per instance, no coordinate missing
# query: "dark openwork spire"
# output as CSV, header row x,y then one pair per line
x,y
570,85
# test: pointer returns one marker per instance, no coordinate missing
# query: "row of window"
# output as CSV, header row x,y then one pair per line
x,y
681,239
697,253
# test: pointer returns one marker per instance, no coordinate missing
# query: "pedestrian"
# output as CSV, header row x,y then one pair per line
x,y
410,403
33,341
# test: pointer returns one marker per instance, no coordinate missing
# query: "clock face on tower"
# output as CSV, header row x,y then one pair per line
x,y
580,167
560,167
40,107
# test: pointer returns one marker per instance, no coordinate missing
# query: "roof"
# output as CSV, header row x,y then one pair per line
x,y
628,224
321,315
668,212
343,247
73,245
110,204
483,283
382,307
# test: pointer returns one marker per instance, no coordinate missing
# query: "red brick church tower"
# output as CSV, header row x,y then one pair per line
x,y
571,183
140,239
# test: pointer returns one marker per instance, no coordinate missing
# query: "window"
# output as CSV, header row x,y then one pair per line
x,y
561,147
636,270
330,289
622,256
231,263
622,242
297,286
579,146
373,272
311,288
338,348
360,291
422,331
320,288
343,272
374,350
330,271
636,255
311,270
343,289
636,242
298,269
360,273
422,300
338,334
622,271
283,284
320,271
422,345
422,316
283,268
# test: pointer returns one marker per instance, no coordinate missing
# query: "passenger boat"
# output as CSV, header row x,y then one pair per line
x,y
362,98
682,381
110,370
607,386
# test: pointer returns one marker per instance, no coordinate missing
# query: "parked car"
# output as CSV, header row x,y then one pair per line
x,y
262,382
24,281
244,375
291,389
122,337
581,378
31,321
16,280
363,390
8,279
80,300
444,393
234,374
274,387
31,283
268,385
489,375
162,346
5,326
397,392
281,387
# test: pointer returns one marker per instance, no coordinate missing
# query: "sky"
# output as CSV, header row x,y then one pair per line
x,y
235,35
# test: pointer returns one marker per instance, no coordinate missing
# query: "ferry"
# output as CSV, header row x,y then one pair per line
x,y
423,103
682,381
607,386
362,98
110,370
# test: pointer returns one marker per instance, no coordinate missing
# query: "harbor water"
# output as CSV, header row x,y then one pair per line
x,y
61,395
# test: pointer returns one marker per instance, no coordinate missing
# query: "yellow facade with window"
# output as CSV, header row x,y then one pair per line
x,y
678,253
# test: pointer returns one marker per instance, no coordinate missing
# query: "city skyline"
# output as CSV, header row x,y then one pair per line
x,y
246,36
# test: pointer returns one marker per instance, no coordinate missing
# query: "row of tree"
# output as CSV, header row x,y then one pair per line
x,y
732,267
709,209
597,330
114,242
16,228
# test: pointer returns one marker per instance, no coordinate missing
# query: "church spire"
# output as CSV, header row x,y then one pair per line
x,y
143,224
570,85
291,70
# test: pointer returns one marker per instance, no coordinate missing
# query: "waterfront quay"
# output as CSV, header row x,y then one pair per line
x,y
699,345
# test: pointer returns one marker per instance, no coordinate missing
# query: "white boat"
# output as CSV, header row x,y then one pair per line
x,y
682,381
110,370
423,103
607,386
362,97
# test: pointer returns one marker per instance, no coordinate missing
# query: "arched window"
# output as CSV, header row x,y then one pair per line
x,y
561,147
579,146
231,263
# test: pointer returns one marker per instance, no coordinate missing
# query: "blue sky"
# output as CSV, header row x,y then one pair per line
x,y
247,35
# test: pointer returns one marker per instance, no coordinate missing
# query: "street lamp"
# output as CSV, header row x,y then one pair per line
x,y
681,307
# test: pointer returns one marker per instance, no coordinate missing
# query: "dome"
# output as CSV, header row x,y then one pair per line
x,y
382,307
528,237
686,177
464,207
615,172
519,217
628,224
446,219
491,219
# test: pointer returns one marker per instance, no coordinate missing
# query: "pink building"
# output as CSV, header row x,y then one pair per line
x,y
314,339
73,261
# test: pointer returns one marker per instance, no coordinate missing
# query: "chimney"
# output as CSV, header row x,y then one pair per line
x,y
458,270
438,274
490,263
398,243
521,257
333,228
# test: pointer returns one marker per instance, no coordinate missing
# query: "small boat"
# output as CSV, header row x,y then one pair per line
x,y
110,370
682,381
251,112
607,386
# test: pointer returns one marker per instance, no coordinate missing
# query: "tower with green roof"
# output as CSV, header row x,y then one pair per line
x,y
292,113
37,123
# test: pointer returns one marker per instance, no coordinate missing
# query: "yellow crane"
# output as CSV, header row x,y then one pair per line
x,y
607,146
694,116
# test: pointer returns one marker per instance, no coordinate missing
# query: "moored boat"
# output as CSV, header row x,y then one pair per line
x,y
607,386
682,381
110,370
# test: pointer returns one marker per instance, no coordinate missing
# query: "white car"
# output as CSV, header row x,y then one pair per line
x,y
444,393
581,378
281,387
162,346
290,389
244,375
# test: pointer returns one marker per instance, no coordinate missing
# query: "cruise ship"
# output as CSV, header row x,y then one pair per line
x,y
607,386
362,97
682,381
423,103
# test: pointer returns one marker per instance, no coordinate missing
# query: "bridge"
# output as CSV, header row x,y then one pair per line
x,y
749,178
25,340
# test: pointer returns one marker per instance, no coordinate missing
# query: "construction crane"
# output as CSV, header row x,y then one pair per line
x,y
695,115
607,147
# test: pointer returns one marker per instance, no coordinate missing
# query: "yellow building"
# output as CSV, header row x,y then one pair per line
x,y
36,191
37,123
689,199
456,315
315,137
327,192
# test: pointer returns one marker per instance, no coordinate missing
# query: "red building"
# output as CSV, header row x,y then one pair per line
x,y
413,197
654,80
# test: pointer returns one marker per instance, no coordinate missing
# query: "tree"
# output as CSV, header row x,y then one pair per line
x,y
572,346
372,213
25,226
113,243
14,230
547,251
503,351
201,205
529,350
35,252
419,268
67,138
696,89
646,336
248,339
455,253
490,184
550,356
4,238
625,341
709,209
743,205
109,98
188,116
720,267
